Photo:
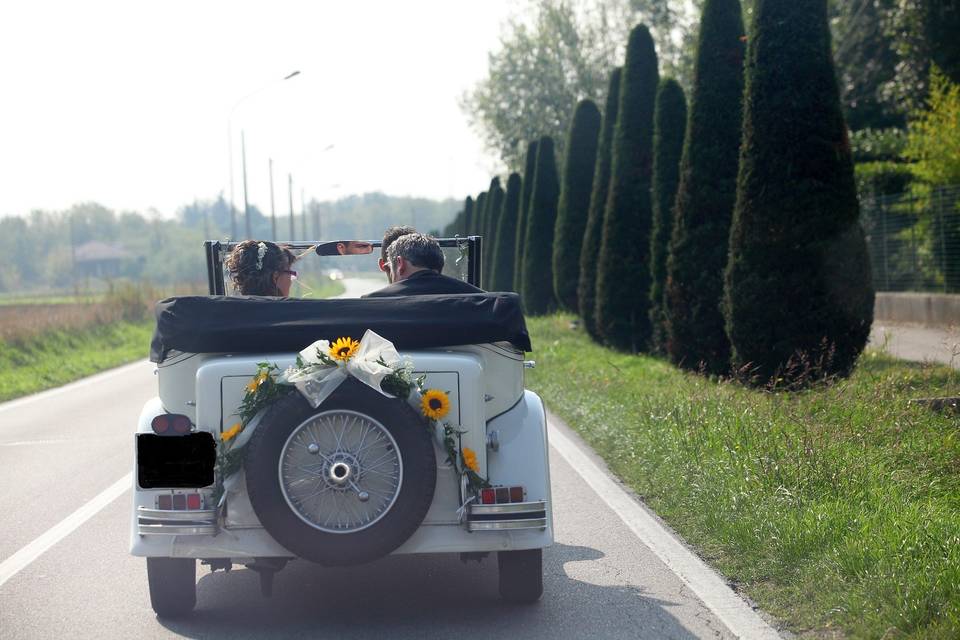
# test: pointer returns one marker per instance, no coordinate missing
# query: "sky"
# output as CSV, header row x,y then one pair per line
x,y
134,105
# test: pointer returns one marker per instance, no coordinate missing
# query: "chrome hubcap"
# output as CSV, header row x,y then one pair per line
x,y
340,471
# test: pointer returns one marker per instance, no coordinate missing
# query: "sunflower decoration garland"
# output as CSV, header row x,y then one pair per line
x,y
435,405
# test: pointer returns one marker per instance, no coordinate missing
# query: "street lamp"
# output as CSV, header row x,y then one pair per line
x,y
233,209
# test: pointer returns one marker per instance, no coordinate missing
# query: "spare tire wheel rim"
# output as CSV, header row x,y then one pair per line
x,y
340,471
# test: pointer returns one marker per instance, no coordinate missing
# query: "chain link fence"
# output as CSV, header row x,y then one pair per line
x,y
914,240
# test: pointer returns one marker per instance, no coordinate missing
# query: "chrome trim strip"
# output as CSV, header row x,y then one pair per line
x,y
515,507
501,525
176,530
199,515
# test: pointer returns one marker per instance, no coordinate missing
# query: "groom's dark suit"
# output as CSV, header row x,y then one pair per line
x,y
424,283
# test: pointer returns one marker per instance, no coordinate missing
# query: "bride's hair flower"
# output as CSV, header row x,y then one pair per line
x,y
229,434
261,251
344,349
470,459
435,404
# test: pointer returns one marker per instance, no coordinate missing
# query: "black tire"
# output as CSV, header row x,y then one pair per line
x,y
415,446
521,575
173,585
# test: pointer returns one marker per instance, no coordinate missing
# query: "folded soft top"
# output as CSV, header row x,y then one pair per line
x,y
252,324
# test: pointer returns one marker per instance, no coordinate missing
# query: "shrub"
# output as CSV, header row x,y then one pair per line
x,y
528,171
574,201
541,219
490,219
590,249
504,252
871,145
696,335
882,178
476,222
464,228
623,275
798,280
669,126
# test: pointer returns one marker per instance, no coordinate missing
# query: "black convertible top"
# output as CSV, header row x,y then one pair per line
x,y
251,324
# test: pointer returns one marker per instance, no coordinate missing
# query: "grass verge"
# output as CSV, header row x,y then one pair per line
x,y
56,357
836,509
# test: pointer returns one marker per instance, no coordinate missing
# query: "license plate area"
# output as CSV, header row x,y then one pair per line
x,y
175,462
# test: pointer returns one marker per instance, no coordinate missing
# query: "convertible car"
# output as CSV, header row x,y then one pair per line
x,y
357,477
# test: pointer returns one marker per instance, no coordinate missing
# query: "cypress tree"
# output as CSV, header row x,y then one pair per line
x,y
587,286
476,224
541,219
798,285
623,275
504,252
574,201
491,218
696,335
669,125
464,228
528,171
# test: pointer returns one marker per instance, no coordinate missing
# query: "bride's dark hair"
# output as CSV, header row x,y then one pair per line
x,y
252,268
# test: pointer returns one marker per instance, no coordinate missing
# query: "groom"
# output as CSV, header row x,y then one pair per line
x,y
414,262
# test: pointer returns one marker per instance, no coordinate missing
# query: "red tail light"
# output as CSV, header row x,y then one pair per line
x,y
193,501
169,424
501,495
488,496
516,494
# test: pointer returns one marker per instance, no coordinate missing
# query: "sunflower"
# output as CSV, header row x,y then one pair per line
x,y
344,349
470,459
228,435
435,404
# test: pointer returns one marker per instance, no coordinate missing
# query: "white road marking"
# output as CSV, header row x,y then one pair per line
x,y
22,558
732,610
83,382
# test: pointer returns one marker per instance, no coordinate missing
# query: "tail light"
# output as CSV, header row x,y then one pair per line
x,y
180,502
501,495
168,424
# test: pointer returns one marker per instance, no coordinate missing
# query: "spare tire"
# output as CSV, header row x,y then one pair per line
x,y
345,483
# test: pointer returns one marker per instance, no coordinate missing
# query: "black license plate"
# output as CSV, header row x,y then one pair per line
x,y
175,462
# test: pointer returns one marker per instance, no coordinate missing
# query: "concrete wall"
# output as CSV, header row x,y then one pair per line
x,y
930,309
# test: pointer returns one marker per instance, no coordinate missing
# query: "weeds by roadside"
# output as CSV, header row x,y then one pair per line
x,y
836,508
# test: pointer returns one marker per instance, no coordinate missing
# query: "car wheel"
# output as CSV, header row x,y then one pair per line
x,y
345,483
173,585
521,575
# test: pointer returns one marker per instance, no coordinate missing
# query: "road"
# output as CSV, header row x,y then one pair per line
x,y
918,343
614,572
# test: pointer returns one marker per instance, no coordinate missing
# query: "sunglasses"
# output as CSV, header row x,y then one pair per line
x,y
293,274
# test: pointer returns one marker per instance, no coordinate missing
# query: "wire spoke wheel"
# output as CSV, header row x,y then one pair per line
x,y
340,471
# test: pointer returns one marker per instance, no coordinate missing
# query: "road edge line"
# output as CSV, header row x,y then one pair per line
x,y
82,382
734,612
26,555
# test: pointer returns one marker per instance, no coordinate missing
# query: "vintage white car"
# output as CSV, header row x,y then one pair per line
x,y
357,478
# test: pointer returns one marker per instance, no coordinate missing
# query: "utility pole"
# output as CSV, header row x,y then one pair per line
x,y
293,232
246,201
303,213
273,211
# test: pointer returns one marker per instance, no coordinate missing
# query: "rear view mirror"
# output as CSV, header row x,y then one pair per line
x,y
344,248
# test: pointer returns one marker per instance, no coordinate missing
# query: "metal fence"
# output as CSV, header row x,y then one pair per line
x,y
914,240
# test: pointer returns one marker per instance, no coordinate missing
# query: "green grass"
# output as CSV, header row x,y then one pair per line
x,y
836,509
57,357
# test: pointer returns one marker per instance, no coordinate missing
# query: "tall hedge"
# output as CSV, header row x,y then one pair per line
x,y
798,282
541,219
669,126
623,275
528,171
574,205
593,231
464,228
697,338
504,252
476,223
490,221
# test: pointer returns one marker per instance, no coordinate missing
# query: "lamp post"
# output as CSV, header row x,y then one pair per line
x,y
233,208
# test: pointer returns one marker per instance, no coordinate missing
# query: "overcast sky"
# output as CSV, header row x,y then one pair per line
x,y
128,103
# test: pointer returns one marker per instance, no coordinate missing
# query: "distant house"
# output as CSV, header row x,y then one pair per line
x,y
101,260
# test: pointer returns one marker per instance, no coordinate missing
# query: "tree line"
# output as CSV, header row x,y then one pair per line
x,y
721,231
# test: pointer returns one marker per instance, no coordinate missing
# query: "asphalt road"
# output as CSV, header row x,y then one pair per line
x,y
61,449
